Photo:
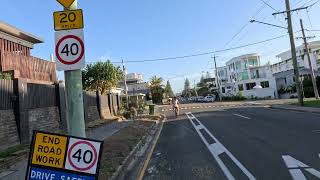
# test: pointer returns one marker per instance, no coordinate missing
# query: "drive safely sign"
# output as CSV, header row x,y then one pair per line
x,y
60,157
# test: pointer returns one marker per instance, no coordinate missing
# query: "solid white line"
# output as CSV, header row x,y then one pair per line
x,y
241,116
218,148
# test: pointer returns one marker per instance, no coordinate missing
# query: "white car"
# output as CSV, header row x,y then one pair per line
x,y
209,99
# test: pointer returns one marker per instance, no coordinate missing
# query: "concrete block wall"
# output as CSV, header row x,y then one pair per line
x,y
44,119
93,114
8,129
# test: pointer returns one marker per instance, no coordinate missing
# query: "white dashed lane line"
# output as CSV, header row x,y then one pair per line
x,y
239,115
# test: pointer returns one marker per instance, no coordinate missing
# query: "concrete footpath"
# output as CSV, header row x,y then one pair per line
x,y
18,170
296,108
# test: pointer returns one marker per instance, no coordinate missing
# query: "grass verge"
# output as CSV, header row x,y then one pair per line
x,y
12,151
315,103
118,146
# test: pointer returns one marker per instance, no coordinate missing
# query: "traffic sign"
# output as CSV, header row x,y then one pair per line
x,y
60,157
69,49
66,3
49,150
82,156
66,20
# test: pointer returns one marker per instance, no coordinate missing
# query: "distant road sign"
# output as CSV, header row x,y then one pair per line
x,y
58,157
66,20
66,3
69,49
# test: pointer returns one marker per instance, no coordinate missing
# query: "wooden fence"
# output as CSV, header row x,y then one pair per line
x,y
6,94
27,66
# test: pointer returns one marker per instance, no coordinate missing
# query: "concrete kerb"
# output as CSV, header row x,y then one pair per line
x,y
133,163
297,109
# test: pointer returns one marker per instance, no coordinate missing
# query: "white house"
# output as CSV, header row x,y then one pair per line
x,y
283,70
136,86
244,74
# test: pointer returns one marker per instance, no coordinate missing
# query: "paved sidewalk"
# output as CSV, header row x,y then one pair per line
x,y
296,108
18,171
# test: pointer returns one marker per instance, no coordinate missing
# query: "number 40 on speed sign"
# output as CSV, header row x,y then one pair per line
x,y
69,49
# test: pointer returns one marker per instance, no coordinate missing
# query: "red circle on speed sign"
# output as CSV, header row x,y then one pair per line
x,y
81,53
94,156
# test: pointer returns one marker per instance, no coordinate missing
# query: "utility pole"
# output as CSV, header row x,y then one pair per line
x,y
125,82
314,82
74,98
217,78
293,50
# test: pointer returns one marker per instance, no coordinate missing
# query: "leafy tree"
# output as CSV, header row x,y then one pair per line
x,y
203,91
7,76
168,90
201,83
156,89
101,76
187,84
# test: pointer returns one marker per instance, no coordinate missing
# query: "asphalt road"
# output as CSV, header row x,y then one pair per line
x,y
238,143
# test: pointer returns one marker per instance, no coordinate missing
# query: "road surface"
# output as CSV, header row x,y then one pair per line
x,y
238,143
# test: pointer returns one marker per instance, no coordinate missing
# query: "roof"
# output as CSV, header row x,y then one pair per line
x,y
9,29
243,56
312,44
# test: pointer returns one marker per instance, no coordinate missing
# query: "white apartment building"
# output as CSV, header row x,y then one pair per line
x,y
283,70
246,75
136,85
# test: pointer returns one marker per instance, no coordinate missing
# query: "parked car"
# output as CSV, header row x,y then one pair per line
x,y
209,99
200,98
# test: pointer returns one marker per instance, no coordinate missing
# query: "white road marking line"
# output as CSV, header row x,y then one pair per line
x,y
193,107
197,107
218,148
295,168
170,109
241,116
209,106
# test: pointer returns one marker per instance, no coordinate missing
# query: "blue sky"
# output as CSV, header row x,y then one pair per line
x,y
144,29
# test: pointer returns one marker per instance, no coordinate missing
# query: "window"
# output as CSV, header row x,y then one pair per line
x,y
253,62
264,84
238,65
240,86
223,90
245,76
250,86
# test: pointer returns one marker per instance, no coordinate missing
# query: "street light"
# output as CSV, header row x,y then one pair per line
x,y
255,21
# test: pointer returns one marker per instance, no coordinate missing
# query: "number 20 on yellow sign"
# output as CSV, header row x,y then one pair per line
x,y
66,20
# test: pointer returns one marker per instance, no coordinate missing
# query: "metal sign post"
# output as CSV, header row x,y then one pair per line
x,y
70,58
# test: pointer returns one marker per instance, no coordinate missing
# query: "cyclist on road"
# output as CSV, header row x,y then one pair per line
x,y
175,104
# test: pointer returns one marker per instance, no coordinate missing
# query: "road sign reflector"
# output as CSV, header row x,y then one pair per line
x,y
66,20
66,3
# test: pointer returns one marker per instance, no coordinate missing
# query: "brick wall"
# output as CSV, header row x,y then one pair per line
x,y
8,129
44,119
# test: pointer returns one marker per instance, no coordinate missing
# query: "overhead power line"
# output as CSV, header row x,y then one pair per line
x,y
246,24
202,54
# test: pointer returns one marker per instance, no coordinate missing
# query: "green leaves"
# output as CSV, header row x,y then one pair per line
x,y
102,76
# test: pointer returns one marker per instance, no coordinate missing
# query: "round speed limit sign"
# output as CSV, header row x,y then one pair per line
x,y
82,155
69,49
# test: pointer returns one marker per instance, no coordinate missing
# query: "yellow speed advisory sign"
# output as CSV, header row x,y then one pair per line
x,y
49,150
66,20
